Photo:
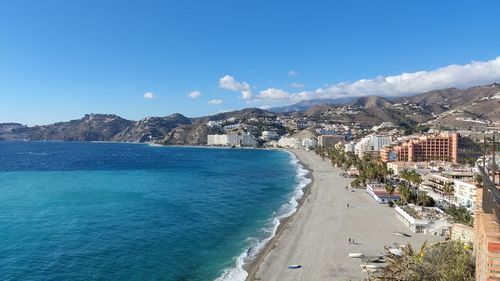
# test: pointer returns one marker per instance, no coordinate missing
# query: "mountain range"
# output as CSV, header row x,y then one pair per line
x,y
475,107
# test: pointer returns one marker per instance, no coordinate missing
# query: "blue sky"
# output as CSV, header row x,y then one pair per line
x,y
62,59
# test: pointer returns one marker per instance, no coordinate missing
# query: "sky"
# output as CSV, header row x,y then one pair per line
x,y
62,59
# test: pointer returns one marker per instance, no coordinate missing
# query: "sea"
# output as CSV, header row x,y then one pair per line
x,y
116,211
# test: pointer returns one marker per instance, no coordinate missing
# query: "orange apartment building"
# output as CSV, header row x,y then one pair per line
x,y
443,147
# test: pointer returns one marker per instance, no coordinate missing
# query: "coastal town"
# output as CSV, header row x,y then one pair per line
x,y
250,140
435,181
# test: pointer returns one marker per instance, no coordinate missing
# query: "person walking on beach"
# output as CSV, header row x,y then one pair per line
x,y
347,205
349,240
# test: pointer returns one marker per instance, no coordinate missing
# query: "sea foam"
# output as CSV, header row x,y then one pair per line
x,y
237,271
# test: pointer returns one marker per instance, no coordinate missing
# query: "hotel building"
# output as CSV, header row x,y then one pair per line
x,y
330,140
443,147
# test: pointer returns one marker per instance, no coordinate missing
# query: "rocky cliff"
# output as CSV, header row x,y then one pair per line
x,y
195,134
151,129
92,127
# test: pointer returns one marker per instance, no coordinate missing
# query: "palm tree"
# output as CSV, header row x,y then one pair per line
x,y
441,261
405,192
405,175
356,183
479,180
416,180
448,189
389,187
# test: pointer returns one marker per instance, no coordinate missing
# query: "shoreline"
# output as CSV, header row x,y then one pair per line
x,y
317,235
252,266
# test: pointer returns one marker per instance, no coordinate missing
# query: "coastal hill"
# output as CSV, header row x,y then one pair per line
x,y
445,109
151,128
92,127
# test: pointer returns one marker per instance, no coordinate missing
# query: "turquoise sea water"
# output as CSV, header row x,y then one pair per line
x,y
101,211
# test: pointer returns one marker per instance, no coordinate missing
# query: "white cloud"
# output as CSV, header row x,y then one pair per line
x,y
293,73
460,76
229,83
194,94
273,94
215,101
297,85
149,95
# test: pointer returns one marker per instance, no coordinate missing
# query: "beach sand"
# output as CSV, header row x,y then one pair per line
x,y
316,236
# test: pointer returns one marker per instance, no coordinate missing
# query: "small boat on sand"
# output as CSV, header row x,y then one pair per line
x,y
374,266
356,255
294,266
396,252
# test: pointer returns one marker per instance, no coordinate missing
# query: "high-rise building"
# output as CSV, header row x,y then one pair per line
x,y
443,147
330,140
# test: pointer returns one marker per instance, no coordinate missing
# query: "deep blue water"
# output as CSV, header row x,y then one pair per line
x,y
102,211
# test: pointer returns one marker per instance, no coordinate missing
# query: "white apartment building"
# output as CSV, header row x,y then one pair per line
x,y
371,143
269,135
465,193
289,142
309,143
379,141
231,140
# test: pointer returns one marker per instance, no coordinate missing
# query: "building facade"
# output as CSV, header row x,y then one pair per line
x,y
289,142
443,147
330,140
465,193
379,193
232,140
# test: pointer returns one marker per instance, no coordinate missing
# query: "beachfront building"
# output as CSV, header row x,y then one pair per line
x,y
443,147
269,135
378,192
435,186
371,144
397,167
232,140
465,193
289,142
330,140
309,143
427,220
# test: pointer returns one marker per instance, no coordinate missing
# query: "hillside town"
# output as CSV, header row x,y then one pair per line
x,y
435,180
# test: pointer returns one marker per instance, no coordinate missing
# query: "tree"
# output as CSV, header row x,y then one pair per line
x,y
389,187
404,192
416,180
479,180
448,190
445,261
460,215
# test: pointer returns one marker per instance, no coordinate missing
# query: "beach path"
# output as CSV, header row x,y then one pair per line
x,y
317,236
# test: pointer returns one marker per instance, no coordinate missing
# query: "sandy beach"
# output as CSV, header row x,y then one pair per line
x,y
317,235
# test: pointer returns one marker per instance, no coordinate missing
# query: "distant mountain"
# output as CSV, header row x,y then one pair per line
x,y
371,101
151,128
92,127
243,114
305,105
475,107
8,131
439,101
